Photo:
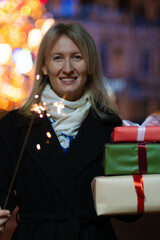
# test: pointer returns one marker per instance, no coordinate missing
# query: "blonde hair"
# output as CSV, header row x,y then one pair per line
x,y
85,43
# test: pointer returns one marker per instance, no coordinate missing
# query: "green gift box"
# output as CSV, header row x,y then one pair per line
x,y
131,158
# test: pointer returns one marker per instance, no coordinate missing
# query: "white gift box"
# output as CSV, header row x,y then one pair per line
x,y
118,195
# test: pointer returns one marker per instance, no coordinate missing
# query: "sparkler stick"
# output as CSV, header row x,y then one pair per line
x,y
39,110
18,163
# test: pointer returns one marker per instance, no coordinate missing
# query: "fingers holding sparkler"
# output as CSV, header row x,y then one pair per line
x,y
4,216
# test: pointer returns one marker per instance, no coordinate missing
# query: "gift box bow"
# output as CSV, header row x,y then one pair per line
x,y
151,120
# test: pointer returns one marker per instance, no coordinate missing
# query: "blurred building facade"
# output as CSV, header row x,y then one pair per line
x,y
130,61
147,9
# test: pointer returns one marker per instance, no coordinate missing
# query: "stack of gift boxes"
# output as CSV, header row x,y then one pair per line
x,y
132,169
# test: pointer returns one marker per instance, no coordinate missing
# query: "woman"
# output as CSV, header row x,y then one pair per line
x,y
65,146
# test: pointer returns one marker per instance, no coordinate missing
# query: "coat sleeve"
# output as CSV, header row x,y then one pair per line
x,y
6,167
128,218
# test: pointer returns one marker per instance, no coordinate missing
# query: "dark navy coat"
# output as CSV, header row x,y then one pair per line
x,y
53,189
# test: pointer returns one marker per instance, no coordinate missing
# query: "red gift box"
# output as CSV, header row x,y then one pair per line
x,y
136,134
149,131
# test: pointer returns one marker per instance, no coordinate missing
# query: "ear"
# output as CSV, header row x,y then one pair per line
x,y
44,70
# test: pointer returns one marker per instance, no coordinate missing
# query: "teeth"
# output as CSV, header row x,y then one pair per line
x,y
67,79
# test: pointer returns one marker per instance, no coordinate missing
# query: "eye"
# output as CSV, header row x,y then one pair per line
x,y
77,57
57,58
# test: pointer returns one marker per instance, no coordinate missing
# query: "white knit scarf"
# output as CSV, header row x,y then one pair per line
x,y
67,115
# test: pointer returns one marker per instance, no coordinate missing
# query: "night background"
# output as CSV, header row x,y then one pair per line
x,y
127,34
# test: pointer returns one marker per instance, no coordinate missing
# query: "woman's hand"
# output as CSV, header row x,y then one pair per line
x,y
4,216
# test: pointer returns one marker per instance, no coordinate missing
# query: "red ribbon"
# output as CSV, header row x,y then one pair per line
x,y
138,183
142,158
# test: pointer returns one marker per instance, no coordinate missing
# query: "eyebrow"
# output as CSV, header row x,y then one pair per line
x,y
60,53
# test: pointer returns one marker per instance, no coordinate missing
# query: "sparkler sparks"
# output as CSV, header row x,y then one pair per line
x,y
37,77
59,106
48,134
37,108
38,146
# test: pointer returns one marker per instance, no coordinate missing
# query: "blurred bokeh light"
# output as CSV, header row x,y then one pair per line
x,y
22,26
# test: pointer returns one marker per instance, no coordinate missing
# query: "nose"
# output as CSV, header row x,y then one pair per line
x,y
67,67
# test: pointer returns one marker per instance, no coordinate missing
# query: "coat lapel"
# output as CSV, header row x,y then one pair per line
x,y
50,158
88,144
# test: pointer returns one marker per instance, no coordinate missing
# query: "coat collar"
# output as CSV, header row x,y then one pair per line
x,y
88,144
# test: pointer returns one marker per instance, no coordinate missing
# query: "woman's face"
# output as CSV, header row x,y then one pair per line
x,y
67,69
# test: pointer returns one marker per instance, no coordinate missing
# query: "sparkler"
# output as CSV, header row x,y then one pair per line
x,y
18,163
37,77
39,109
48,134
38,146
59,107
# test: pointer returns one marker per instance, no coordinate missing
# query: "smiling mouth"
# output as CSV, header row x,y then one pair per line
x,y
68,80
